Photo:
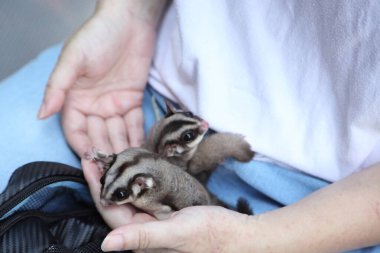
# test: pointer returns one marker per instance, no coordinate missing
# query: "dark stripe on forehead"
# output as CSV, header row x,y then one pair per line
x,y
134,161
120,170
127,165
171,127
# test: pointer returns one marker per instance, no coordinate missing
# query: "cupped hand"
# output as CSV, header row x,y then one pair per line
x,y
99,80
193,229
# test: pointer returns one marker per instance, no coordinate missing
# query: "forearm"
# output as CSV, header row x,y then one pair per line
x,y
147,11
342,216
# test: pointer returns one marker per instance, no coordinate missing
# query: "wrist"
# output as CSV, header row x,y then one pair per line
x,y
145,11
243,235
256,238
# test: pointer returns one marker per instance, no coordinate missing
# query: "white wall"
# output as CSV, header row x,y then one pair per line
x,y
29,26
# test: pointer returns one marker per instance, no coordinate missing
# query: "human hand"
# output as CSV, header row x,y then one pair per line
x,y
207,227
100,77
193,229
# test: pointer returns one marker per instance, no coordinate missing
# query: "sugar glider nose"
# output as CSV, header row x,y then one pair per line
x,y
204,126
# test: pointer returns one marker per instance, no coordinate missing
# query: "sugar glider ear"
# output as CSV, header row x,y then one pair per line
x,y
170,109
144,182
141,183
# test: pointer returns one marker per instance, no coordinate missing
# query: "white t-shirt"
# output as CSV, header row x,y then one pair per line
x,y
300,79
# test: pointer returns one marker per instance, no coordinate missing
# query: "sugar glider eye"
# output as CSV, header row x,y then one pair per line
x,y
188,136
189,114
120,194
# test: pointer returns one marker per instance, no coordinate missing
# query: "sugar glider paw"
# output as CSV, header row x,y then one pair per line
x,y
90,155
244,152
102,159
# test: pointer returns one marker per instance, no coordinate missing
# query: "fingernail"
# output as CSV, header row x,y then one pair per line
x,y
42,112
113,242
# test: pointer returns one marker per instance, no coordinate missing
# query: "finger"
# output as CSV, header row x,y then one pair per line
x,y
134,121
92,175
152,235
74,126
117,134
62,78
98,133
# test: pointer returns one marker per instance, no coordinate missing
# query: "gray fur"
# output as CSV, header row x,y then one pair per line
x,y
162,186
200,156
214,149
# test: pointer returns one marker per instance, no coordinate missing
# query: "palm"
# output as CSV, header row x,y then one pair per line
x,y
104,68
98,84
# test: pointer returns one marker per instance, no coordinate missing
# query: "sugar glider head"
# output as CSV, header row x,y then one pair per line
x,y
129,178
178,133
127,193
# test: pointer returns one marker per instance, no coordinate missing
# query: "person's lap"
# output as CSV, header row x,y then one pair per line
x,y
25,139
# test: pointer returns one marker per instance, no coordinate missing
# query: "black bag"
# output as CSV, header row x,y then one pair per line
x,y
47,207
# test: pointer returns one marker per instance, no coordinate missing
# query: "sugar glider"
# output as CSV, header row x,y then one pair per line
x,y
181,137
149,182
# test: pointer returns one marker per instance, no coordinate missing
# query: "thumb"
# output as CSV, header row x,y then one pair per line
x,y
92,175
62,78
149,235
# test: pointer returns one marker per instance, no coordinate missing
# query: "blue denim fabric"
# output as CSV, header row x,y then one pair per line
x,y
24,139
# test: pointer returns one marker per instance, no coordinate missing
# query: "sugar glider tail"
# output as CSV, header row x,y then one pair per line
x,y
242,206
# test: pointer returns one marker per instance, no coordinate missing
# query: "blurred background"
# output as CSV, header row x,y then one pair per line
x,y
29,26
